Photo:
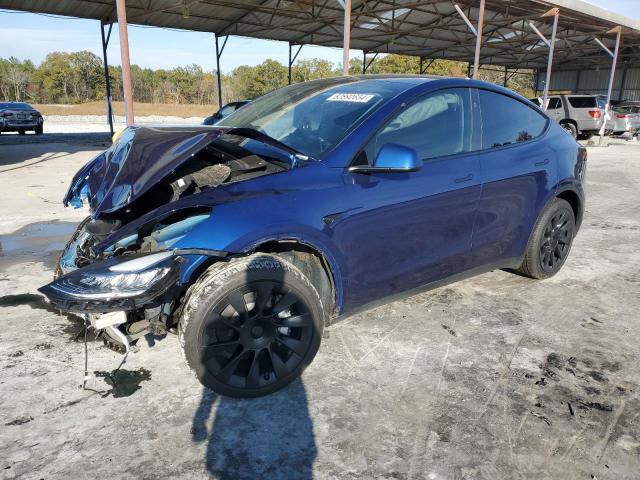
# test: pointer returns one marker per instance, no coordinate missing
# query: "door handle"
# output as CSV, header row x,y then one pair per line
x,y
464,179
542,162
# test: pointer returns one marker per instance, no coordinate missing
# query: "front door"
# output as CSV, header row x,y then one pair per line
x,y
409,229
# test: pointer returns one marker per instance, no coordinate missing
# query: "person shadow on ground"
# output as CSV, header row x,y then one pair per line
x,y
260,438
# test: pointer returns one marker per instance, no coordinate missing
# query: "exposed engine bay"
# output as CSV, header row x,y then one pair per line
x,y
119,267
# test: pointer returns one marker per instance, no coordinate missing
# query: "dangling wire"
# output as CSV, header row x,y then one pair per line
x,y
86,352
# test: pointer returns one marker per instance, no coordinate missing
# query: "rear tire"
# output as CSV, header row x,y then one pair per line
x,y
571,129
550,241
251,326
39,130
21,132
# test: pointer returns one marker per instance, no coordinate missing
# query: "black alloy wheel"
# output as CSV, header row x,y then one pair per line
x,y
250,326
550,241
256,335
556,242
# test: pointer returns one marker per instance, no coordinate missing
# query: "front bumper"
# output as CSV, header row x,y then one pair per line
x,y
105,287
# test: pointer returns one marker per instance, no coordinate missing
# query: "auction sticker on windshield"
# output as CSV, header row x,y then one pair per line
x,y
350,97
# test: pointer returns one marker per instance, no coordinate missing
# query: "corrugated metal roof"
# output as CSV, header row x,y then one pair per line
x,y
428,28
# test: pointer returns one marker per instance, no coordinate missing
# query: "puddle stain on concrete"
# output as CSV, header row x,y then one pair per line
x,y
35,301
124,383
37,237
76,326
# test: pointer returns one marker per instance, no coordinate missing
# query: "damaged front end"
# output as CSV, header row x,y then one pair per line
x,y
145,193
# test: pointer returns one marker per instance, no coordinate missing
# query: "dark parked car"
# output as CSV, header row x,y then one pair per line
x,y
310,202
225,111
20,117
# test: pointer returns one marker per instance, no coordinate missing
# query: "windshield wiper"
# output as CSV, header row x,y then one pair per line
x,y
255,134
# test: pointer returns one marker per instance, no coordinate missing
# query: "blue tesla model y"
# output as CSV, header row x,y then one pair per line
x,y
247,237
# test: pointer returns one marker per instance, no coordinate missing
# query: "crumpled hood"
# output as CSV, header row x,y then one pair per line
x,y
141,157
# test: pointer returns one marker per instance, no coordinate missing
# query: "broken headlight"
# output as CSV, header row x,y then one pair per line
x,y
121,283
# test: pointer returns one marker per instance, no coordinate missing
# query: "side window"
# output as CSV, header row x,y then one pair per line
x,y
506,121
554,103
436,125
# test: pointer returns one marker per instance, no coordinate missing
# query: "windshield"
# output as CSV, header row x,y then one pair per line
x,y
312,117
15,105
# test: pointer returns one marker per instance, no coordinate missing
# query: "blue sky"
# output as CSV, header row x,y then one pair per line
x,y
32,36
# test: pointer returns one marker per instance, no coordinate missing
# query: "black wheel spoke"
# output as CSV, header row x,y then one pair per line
x,y
296,346
285,302
253,378
230,367
295,321
228,322
279,367
236,300
226,344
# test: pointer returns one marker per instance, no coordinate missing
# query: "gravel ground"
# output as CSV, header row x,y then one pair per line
x,y
495,377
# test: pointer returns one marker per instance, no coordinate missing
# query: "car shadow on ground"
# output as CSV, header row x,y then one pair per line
x,y
266,437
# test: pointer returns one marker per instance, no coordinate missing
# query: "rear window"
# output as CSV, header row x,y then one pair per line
x,y
583,102
506,121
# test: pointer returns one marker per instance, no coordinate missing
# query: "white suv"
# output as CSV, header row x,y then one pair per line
x,y
578,114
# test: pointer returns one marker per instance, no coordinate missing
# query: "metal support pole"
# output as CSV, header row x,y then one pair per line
x,y
478,33
292,59
126,65
421,70
365,65
364,62
346,37
107,79
476,61
506,73
289,77
550,59
219,51
618,32
555,12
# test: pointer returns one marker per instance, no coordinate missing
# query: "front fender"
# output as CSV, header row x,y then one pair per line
x,y
239,234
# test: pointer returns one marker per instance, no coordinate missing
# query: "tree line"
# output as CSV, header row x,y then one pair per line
x,y
78,77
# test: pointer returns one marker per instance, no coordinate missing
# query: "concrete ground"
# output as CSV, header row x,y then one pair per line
x,y
495,377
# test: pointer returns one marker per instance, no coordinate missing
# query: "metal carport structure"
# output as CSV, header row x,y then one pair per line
x,y
510,33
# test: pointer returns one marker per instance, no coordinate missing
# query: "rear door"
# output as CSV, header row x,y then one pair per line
x,y
408,229
518,172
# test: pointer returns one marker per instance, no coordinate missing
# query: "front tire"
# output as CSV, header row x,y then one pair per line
x,y
251,326
550,241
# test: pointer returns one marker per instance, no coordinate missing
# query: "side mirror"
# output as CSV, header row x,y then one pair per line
x,y
392,158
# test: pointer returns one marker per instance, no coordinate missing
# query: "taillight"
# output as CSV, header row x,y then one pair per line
x,y
621,115
595,113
